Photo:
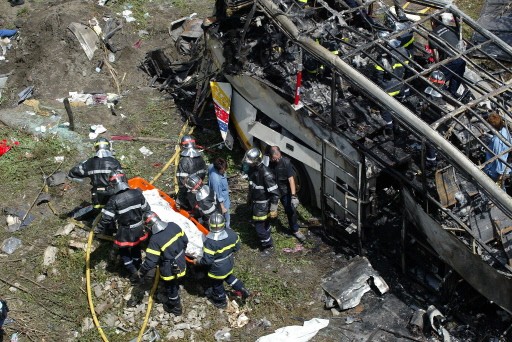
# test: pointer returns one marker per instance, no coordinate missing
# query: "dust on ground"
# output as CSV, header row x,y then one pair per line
x,y
48,302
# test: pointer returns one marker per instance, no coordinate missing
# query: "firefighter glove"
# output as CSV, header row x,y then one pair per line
x,y
295,201
175,269
273,207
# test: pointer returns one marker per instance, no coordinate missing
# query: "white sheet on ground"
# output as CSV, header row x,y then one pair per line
x,y
296,333
163,209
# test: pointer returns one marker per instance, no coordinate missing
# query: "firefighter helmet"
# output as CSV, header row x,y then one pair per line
x,y
103,148
217,222
437,78
193,183
253,157
117,180
152,222
188,146
202,192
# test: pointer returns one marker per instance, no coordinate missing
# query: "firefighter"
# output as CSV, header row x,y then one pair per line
x,y
97,169
264,197
191,163
126,207
218,254
444,34
406,39
166,249
389,73
284,175
205,198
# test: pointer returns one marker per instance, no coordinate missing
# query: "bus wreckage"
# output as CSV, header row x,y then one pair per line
x,y
300,75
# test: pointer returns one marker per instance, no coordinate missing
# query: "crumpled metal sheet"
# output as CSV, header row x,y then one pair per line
x,y
348,285
87,38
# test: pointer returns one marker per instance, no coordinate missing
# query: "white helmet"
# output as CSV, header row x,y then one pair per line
x,y
153,222
117,180
103,148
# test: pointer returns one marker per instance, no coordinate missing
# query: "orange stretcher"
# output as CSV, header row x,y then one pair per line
x,y
143,185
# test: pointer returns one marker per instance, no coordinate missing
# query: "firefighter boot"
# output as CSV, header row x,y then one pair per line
x,y
245,293
173,307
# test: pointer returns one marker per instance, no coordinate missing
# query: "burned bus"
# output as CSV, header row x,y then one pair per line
x,y
301,75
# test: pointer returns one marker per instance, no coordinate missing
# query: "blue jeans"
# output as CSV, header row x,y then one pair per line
x,y
291,212
227,217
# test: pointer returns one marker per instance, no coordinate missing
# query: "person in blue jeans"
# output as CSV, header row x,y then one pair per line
x,y
218,182
497,169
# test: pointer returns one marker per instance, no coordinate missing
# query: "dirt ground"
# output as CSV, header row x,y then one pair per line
x,y
49,303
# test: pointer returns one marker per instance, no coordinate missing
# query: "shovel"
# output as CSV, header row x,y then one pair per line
x,y
145,139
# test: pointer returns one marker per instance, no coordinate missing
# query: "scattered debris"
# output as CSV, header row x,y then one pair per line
x,y
23,217
50,255
10,245
416,323
146,152
3,82
296,333
87,38
25,94
348,285
43,197
128,16
298,248
68,228
5,146
223,334
96,130
237,317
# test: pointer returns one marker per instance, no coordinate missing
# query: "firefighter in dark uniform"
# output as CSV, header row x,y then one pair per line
x,y
191,163
125,207
206,199
166,249
264,197
218,254
98,169
389,73
284,175
444,34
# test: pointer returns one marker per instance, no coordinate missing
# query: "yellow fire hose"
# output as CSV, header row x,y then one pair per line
x,y
88,282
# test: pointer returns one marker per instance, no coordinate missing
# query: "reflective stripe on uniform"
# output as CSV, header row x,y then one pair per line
x,y
137,206
171,241
209,251
265,201
179,275
135,225
98,206
94,172
255,186
409,42
152,251
209,211
182,174
108,213
272,188
219,277
260,218
394,93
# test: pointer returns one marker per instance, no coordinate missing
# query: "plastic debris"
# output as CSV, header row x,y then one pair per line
x,y
3,82
10,245
5,146
7,33
145,151
223,335
96,130
87,38
128,15
50,255
297,248
16,223
296,333
25,94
